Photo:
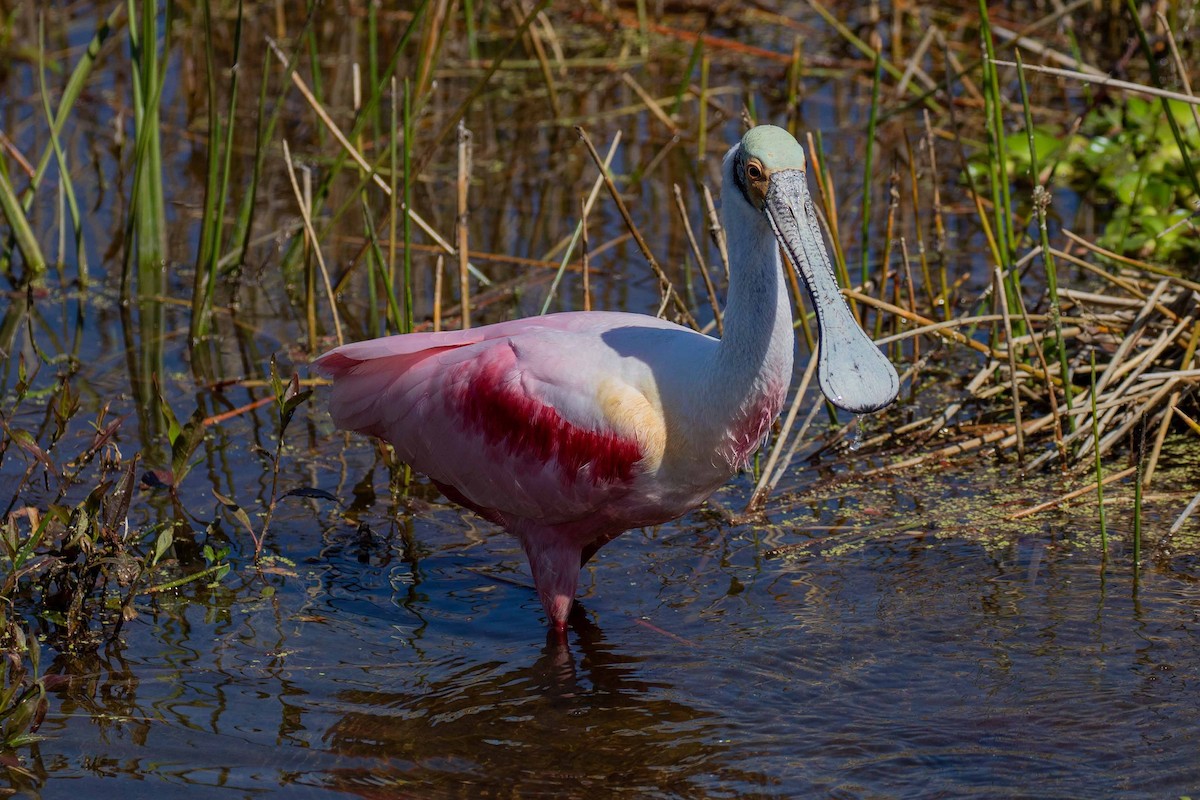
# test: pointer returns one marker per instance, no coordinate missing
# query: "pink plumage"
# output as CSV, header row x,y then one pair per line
x,y
569,429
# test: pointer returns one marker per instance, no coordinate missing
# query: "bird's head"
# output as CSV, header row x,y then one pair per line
x,y
767,152
769,169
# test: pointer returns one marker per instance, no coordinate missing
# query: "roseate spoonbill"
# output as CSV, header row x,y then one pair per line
x,y
569,429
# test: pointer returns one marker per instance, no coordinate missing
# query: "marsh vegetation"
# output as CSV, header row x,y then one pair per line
x,y
197,198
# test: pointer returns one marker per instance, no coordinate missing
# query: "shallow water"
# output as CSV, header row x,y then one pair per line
x,y
922,667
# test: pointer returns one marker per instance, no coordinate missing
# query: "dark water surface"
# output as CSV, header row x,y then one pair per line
x,y
914,668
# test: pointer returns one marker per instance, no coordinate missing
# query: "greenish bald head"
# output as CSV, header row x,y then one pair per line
x,y
765,152
773,147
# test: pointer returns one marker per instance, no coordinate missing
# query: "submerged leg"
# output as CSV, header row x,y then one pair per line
x,y
554,561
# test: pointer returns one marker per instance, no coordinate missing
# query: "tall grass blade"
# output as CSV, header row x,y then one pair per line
x,y
1041,202
296,247
408,198
71,92
147,208
1099,467
997,151
868,177
61,159
216,190
31,251
461,225
1156,78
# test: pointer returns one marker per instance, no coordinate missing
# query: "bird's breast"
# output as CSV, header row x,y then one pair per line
x,y
748,427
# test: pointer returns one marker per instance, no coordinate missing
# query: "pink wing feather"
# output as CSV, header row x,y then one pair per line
x,y
489,416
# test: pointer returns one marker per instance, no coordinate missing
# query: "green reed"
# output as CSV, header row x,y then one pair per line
x,y
1156,80
471,32
1099,467
217,186
15,212
1041,200
337,160
407,323
148,221
68,186
997,152
26,241
868,177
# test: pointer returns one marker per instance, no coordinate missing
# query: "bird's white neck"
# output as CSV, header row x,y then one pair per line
x,y
753,366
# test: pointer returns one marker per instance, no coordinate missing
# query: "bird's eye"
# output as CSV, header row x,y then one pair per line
x,y
754,172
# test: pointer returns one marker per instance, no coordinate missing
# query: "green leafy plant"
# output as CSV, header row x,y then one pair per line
x,y
1127,157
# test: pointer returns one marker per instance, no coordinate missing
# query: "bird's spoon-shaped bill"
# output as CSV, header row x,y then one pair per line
x,y
854,374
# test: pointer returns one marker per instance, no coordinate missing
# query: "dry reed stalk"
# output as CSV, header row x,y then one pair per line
x,y
1039,49
715,231
11,148
217,419
539,52
312,238
1069,496
939,225
972,388
586,257
1134,263
351,150
1035,339
1105,81
636,109
1187,512
761,488
464,179
912,296
827,210
668,290
1137,365
1125,284
568,242
961,73
961,322
1002,298
941,330
913,66
797,440
439,273
1160,437
915,191
885,270
1135,416
658,157
999,435
700,262
1079,296
431,45
872,53
1191,423
656,110
555,41
1180,68
460,110
1132,334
